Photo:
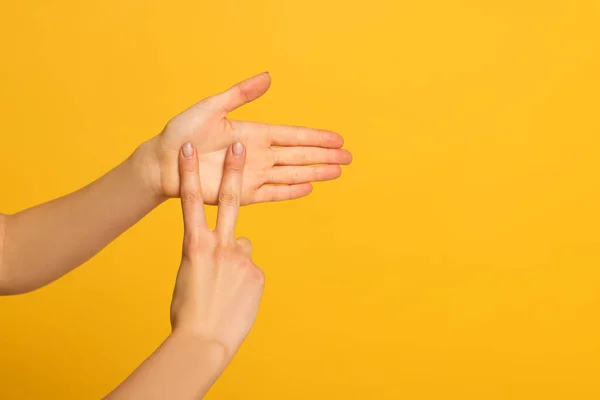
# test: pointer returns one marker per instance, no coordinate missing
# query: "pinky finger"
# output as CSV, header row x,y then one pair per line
x,y
267,193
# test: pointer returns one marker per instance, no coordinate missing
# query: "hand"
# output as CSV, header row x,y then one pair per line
x,y
290,165
218,288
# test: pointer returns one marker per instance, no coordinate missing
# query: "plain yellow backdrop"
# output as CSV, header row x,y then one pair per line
x,y
457,258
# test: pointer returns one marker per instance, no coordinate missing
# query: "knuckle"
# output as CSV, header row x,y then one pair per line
x,y
228,199
301,134
224,252
318,174
259,275
188,166
193,243
191,238
330,156
235,166
296,177
240,92
272,193
190,197
308,157
250,270
240,262
245,264
170,125
290,193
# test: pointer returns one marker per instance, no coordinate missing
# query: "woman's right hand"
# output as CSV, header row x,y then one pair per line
x,y
218,288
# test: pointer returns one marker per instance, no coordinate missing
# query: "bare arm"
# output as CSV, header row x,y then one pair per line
x,y
183,367
45,242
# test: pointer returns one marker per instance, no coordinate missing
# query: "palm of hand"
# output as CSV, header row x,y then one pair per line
x,y
258,162
280,159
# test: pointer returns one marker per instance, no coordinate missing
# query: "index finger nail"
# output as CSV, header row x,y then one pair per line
x,y
238,149
188,150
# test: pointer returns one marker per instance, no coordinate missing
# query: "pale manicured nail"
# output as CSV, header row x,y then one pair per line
x,y
188,150
238,149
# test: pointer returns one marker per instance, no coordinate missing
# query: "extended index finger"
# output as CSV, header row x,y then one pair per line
x,y
230,192
192,202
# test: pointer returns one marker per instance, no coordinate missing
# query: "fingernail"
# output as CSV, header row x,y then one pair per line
x,y
188,150
238,149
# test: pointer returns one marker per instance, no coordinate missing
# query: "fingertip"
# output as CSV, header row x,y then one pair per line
x,y
336,171
188,157
327,173
255,86
298,191
332,140
238,149
341,156
236,157
349,158
187,150
303,190
267,76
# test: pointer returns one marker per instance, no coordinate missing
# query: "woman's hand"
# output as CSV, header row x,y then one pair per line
x,y
218,288
216,296
282,155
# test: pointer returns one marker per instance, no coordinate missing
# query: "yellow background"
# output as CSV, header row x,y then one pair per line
x,y
457,258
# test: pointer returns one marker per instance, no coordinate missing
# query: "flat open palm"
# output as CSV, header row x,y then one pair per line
x,y
281,160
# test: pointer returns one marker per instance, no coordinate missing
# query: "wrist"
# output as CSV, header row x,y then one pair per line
x,y
214,353
146,166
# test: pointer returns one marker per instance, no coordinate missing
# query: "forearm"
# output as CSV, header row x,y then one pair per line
x,y
45,242
183,367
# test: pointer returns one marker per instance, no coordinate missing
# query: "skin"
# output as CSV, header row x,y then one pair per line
x,y
216,296
68,231
277,154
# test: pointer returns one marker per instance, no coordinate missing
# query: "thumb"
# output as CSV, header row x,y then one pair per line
x,y
241,93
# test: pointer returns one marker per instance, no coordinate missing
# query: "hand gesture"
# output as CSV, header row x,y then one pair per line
x,y
218,288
